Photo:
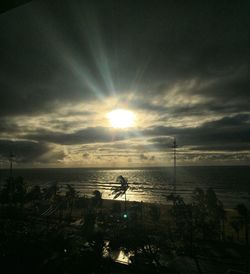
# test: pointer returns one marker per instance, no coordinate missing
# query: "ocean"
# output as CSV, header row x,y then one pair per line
x,y
231,183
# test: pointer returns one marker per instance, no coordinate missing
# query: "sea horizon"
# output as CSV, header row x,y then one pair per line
x,y
149,184
137,167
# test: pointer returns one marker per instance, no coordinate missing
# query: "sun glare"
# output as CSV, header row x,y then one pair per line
x,y
121,118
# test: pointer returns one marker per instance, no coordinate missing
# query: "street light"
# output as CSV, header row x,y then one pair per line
x,y
174,155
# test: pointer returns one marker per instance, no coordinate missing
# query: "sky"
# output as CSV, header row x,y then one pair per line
x,y
181,68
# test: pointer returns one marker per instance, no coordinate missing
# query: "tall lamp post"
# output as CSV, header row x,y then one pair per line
x,y
174,155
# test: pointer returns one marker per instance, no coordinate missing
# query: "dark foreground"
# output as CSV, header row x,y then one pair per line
x,y
43,231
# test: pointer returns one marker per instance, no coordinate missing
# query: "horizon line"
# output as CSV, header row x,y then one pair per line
x,y
136,167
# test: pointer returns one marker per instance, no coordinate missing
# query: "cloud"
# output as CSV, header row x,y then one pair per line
x,y
24,151
81,65
143,157
83,136
85,155
232,130
185,75
28,153
8,127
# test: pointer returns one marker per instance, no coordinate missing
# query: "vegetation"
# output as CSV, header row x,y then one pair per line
x,y
121,189
55,230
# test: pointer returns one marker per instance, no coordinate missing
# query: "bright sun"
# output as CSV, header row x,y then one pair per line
x,y
121,118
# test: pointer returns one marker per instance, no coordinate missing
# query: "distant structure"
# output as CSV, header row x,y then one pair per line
x,y
174,175
11,164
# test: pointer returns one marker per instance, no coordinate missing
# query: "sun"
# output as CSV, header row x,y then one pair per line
x,y
121,118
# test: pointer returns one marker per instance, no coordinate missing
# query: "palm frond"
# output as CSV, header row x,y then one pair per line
x,y
121,189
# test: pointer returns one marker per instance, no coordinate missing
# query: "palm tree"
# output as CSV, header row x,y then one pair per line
x,y
71,195
51,192
34,196
199,211
182,214
20,191
215,213
121,189
223,217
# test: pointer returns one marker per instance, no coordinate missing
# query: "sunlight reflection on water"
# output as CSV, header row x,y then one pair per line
x,y
147,185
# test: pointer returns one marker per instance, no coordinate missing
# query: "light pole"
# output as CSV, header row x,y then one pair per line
x,y
174,155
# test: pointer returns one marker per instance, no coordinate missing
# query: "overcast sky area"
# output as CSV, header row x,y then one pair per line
x,y
182,67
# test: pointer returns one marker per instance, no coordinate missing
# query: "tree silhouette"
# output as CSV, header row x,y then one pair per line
x,y
20,191
121,189
182,214
244,215
71,195
199,211
214,209
14,192
50,193
154,212
97,198
208,214
34,196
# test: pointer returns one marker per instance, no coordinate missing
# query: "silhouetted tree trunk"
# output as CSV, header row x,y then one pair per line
x,y
125,203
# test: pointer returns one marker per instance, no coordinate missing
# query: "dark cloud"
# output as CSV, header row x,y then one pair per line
x,y
69,51
83,136
9,127
24,151
229,131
